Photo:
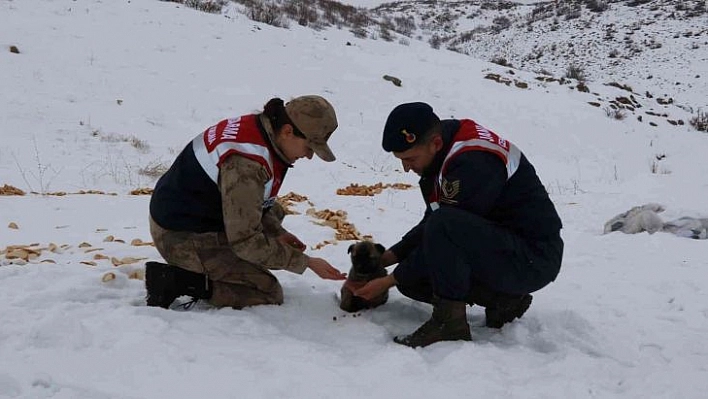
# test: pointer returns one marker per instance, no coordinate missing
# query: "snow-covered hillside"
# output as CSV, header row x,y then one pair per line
x,y
655,46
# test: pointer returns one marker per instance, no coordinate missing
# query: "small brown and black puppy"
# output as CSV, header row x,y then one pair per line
x,y
365,256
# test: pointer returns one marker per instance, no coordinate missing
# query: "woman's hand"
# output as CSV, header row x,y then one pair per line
x,y
289,239
323,269
376,287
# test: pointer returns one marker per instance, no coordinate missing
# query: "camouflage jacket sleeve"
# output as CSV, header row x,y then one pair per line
x,y
241,182
272,220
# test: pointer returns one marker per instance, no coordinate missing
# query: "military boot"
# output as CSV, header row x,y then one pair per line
x,y
506,308
165,283
500,308
448,323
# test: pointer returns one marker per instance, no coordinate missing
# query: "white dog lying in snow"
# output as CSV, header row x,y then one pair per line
x,y
646,218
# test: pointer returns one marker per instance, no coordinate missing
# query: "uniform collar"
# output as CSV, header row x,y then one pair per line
x,y
267,131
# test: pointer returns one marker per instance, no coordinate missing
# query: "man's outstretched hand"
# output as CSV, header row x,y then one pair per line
x,y
376,287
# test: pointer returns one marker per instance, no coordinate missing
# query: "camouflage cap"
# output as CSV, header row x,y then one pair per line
x,y
315,118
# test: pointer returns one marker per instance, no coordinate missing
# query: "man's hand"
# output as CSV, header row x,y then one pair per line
x,y
376,287
388,258
289,239
323,269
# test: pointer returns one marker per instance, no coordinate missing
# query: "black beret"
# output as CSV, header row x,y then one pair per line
x,y
406,124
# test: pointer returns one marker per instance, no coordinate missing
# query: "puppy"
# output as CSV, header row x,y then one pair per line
x,y
365,256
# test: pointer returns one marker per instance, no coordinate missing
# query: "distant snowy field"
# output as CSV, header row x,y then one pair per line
x,y
101,90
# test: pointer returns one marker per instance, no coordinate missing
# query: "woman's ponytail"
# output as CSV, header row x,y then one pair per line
x,y
274,110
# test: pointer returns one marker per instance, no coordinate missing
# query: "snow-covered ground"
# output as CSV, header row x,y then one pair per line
x,y
102,90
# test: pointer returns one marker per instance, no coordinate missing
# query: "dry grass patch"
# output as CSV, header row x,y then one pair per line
x,y
142,191
10,190
368,191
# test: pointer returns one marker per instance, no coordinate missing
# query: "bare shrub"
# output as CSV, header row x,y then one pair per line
x,y
303,12
497,5
540,12
140,145
210,6
154,169
359,32
134,142
573,12
622,86
554,26
435,41
700,121
655,167
457,49
575,72
404,25
268,13
385,33
652,44
331,18
501,61
615,113
385,29
501,23
597,5
468,36
701,7
358,18
41,177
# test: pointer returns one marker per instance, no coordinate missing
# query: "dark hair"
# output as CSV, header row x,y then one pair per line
x,y
274,110
427,135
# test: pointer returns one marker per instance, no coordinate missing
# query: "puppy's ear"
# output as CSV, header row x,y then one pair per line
x,y
380,248
351,247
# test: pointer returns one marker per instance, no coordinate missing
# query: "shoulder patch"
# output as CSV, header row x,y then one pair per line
x,y
449,190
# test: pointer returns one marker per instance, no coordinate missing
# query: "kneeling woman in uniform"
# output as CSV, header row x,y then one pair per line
x,y
213,215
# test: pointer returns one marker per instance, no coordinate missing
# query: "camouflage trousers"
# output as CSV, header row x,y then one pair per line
x,y
235,282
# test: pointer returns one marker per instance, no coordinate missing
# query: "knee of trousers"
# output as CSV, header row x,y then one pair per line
x,y
239,296
418,293
266,286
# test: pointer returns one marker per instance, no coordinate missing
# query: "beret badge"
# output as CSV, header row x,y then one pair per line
x,y
410,137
